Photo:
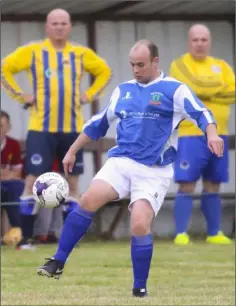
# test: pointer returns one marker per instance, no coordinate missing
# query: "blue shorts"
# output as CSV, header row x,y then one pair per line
x,y
195,160
42,148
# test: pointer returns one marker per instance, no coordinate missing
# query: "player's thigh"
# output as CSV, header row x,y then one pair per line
x,y
98,194
65,140
151,184
114,172
192,157
109,184
40,152
217,170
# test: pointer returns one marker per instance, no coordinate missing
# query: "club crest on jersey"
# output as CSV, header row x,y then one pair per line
x,y
66,62
155,98
184,164
216,68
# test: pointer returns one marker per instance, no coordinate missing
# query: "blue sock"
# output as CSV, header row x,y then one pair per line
x,y
141,254
75,227
28,205
211,208
68,207
182,211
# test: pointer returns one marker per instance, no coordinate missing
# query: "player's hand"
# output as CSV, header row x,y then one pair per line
x,y
216,145
28,99
68,162
84,99
5,173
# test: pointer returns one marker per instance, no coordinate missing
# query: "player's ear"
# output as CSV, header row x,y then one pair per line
x,y
156,61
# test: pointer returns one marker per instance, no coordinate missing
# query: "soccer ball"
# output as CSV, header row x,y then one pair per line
x,y
50,190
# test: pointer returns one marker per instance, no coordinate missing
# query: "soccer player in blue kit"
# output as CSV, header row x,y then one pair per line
x,y
148,109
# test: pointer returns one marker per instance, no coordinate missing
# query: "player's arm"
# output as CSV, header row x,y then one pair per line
x,y
18,61
227,95
180,71
191,107
94,129
97,67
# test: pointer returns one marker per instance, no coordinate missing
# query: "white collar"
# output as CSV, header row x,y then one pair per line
x,y
159,78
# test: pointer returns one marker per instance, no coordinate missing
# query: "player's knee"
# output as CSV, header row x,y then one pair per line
x,y
187,187
89,202
140,228
29,182
210,187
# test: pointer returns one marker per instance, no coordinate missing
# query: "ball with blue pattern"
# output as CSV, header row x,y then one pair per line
x,y
50,190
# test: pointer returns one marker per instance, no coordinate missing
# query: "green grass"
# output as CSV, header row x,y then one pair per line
x,y
99,273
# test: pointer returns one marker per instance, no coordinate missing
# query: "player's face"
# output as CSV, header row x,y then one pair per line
x,y
144,68
5,127
58,27
199,44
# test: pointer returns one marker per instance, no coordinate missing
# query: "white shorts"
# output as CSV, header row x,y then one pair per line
x,y
137,181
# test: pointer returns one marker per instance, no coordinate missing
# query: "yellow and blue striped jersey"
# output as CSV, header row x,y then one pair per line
x,y
213,81
55,78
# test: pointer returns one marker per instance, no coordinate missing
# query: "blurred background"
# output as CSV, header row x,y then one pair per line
x,y
111,28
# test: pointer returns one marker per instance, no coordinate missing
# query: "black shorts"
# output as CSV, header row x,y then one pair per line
x,y
42,148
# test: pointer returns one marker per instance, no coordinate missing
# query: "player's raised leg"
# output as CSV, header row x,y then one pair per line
x,y
77,224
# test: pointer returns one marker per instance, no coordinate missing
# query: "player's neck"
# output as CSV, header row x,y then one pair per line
x,y
59,45
155,76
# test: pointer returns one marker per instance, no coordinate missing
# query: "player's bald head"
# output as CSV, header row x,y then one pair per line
x,y
199,41
58,25
145,47
58,13
199,29
143,58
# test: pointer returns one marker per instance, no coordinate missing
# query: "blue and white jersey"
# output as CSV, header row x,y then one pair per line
x,y
148,115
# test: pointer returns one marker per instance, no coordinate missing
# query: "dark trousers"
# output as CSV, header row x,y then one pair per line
x,y
13,211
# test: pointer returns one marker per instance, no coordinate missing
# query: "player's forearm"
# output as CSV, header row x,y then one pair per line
x,y
9,84
101,81
80,142
211,130
224,99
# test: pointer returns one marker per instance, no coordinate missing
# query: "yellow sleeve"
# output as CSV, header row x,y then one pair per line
x,y
227,95
96,66
179,70
18,61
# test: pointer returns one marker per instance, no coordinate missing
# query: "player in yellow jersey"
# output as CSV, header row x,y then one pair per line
x,y
213,81
55,67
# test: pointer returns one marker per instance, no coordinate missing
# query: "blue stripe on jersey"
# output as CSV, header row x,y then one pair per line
x,y
34,77
60,74
46,92
73,78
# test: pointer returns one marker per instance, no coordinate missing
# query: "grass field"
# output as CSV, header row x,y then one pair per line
x,y
99,273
